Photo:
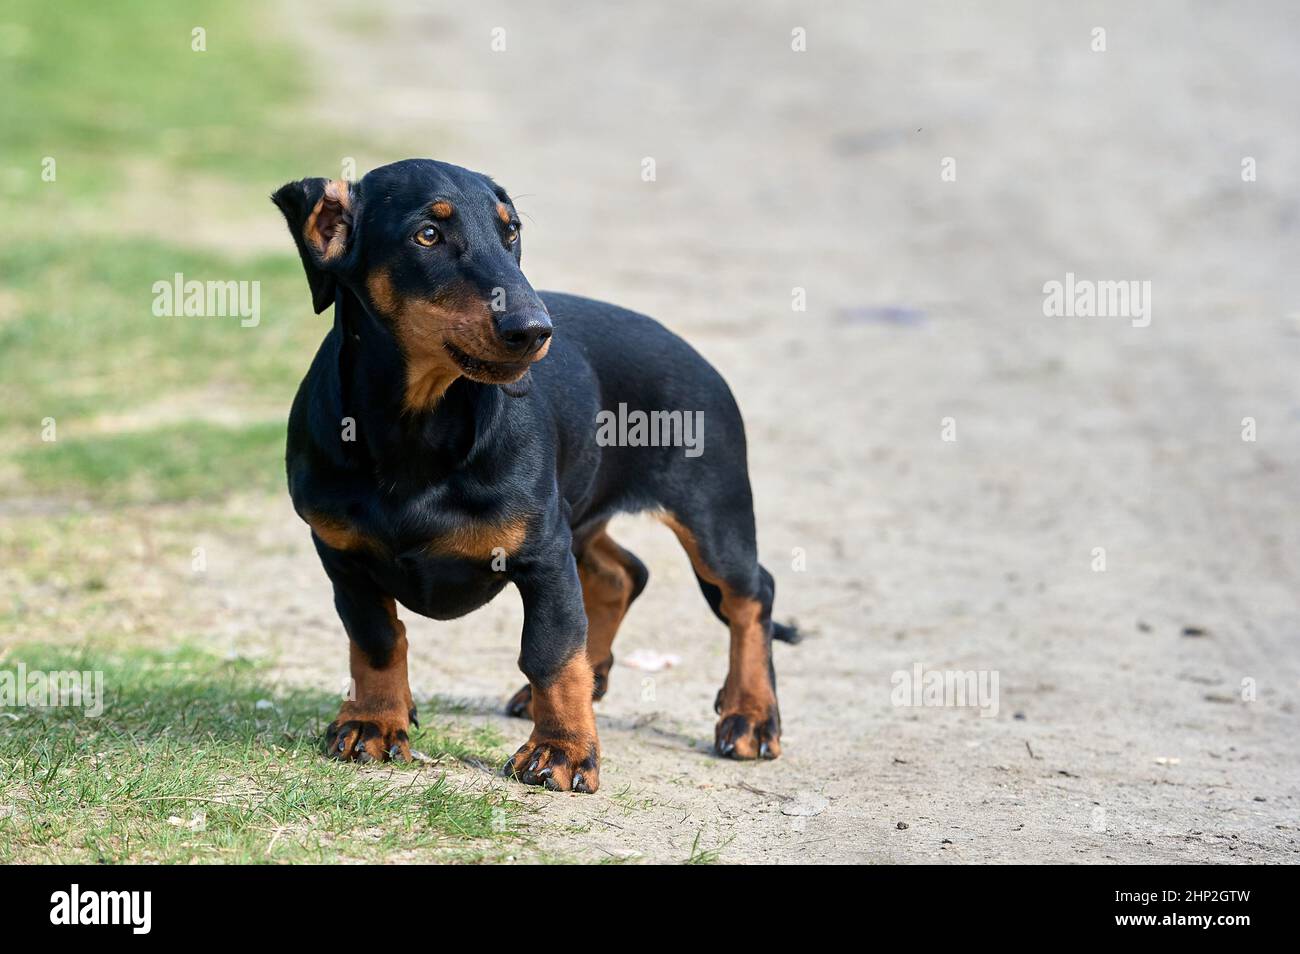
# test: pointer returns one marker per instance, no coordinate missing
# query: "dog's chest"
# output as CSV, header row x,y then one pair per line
x,y
436,558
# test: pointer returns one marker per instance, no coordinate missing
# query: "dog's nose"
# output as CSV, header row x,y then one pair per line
x,y
524,332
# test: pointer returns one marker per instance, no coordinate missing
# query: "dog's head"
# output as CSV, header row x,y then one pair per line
x,y
432,250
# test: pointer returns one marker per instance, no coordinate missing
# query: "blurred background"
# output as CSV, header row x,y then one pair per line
x,y
853,212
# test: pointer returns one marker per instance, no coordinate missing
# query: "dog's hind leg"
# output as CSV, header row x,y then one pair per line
x,y
720,543
612,578
784,632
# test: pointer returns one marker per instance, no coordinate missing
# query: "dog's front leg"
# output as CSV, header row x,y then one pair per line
x,y
373,721
562,753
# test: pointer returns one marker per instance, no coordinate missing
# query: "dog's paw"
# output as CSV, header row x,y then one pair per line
x,y
558,764
748,734
520,705
356,737
600,678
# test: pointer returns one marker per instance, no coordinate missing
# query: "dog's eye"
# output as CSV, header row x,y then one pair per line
x,y
513,231
428,236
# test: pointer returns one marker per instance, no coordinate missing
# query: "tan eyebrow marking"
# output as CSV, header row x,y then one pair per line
x,y
503,213
441,209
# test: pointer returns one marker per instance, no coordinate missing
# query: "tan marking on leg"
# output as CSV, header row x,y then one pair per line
x,y
562,709
606,595
563,751
607,586
748,688
373,723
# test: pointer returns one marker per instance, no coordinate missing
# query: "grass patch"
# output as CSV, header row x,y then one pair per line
x,y
83,339
82,572
198,759
131,116
113,80
701,855
193,461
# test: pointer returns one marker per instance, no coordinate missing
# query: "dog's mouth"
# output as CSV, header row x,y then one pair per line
x,y
487,372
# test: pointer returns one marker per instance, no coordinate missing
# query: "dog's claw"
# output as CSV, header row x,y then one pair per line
x,y
556,766
748,735
363,740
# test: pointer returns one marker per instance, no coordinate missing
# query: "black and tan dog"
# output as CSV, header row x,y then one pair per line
x,y
437,458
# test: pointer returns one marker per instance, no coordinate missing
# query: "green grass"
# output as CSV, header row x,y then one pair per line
x,y
83,339
133,116
198,759
86,570
102,83
179,462
705,856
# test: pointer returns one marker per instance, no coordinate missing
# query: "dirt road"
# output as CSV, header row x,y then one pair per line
x,y
1146,711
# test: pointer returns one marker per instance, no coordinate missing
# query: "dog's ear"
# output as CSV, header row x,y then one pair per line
x,y
320,216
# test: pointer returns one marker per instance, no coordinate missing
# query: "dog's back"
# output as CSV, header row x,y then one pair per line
x,y
658,416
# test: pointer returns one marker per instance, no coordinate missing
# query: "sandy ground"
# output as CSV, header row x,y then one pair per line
x,y
1117,737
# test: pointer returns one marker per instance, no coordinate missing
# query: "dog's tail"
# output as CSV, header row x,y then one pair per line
x,y
787,633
